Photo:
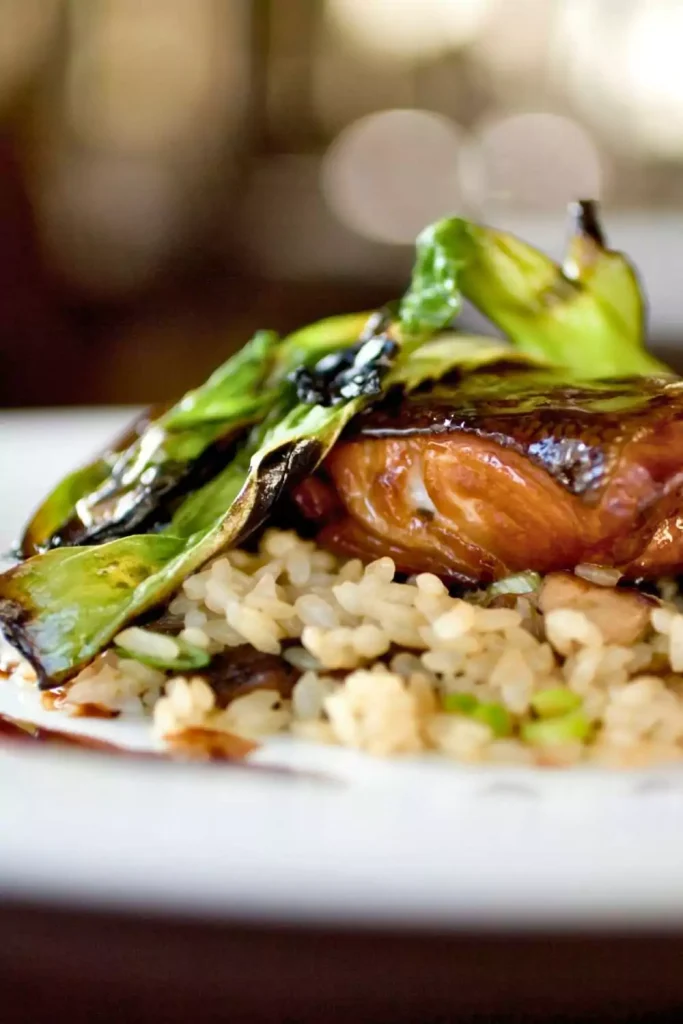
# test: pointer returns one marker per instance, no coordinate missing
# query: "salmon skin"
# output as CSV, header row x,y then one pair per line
x,y
504,472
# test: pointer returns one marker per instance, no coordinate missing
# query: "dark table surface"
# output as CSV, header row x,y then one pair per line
x,y
76,965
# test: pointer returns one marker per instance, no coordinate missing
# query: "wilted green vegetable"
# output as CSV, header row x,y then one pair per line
x,y
187,657
60,504
135,486
113,497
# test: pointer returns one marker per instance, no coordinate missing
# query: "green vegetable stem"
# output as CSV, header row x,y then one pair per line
x,y
548,732
494,715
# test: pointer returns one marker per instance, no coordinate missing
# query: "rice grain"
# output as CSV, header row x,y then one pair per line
x,y
379,657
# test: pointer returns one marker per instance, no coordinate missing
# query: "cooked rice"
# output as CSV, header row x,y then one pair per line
x,y
379,657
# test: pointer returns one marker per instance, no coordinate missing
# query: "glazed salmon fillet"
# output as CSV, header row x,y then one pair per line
x,y
501,474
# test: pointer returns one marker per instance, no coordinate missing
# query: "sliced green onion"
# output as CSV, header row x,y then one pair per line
x,y
188,656
521,583
555,701
495,716
459,703
550,732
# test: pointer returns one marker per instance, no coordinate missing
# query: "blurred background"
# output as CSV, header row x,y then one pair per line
x,y
176,173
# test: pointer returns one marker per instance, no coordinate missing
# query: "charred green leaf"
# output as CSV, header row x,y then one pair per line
x,y
136,486
59,506
587,315
352,373
179,452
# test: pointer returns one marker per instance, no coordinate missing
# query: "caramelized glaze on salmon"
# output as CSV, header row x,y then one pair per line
x,y
506,472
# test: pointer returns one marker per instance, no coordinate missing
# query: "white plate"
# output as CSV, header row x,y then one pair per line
x,y
417,841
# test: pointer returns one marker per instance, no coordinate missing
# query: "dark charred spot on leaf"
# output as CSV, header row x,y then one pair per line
x,y
133,573
281,469
353,372
148,503
586,244
165,622
14,622
585,220
136,428
12,614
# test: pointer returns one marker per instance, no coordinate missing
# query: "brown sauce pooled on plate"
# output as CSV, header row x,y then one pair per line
x,y
22,731
195,744
188,745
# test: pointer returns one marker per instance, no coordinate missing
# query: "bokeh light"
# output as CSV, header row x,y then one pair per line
x,y
103,246
348,83
26,29
533,161
389,174
654,76
586,62
515,40
141,82
409,28
621,64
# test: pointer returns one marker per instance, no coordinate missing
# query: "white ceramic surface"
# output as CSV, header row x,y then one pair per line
x,y
417,841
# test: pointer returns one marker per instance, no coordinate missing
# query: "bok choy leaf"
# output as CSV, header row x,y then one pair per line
x,y
131,493
586,316
134,487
